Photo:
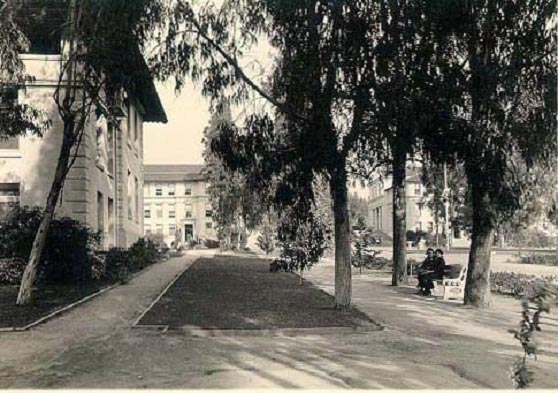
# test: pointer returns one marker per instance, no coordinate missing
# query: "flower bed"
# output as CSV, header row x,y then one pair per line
x,y
519,284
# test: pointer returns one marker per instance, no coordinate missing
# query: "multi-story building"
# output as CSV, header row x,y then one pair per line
x,y
103,188
176,203
419,217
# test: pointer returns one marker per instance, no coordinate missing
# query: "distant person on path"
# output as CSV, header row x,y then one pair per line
x,y
440,264
426,267
432,269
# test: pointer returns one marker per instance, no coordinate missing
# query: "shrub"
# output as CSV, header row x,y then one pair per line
x,y
519,284
540,259
267,238
98,265
531,237
65,258
142,254
117,261
209,243
11,270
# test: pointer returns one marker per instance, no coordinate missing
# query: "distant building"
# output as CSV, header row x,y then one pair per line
x,y
176,203
419,217
103,188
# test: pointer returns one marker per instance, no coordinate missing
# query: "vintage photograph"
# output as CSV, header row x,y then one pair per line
x,y
278,194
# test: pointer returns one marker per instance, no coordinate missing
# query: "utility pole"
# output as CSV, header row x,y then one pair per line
x,y
446,195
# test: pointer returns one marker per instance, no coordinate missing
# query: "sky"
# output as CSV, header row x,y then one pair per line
x,y
178,141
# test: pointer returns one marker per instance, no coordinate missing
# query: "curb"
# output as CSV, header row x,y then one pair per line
x,y
279,332
57,312
163,292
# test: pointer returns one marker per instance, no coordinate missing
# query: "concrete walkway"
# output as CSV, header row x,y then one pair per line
x,y
426,344
472,343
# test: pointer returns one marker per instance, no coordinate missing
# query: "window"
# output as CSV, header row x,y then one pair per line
x,y
130,194
131,123
188,210
138,125
208,225
147,229
110,148
9,197
147,212
136,196
8,102
159,229
101,214
171,189
158,190
102,142
44,34
111,233
172,229
417,189
208,210
159,211
172,211
188,191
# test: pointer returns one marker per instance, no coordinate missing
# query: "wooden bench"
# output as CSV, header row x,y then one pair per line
x,y
453,287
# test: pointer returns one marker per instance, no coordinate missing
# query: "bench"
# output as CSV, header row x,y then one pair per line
x,y
454,286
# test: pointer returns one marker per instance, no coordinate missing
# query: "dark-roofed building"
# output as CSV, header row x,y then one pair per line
x,y
176,203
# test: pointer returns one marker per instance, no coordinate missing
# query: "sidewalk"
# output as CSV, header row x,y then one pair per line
x,y
473,343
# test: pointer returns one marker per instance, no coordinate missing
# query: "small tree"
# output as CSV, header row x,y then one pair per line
x,y
267,238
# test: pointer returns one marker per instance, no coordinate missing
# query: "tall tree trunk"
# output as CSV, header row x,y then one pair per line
x,y
339,193
399,217
30,273
477,287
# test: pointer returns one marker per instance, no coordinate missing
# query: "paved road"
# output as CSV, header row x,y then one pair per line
x,y
425,345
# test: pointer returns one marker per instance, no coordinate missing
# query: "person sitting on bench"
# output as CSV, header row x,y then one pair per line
x,y
431,269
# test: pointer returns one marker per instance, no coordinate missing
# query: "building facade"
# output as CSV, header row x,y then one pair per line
x,y
176,203
418,215
103,188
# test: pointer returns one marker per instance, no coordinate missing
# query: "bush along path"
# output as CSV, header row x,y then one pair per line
x,y
233,292
108,269
71,269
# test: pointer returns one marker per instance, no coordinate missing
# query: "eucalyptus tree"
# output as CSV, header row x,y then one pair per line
x,y
235,205
308,95
497,61
100,41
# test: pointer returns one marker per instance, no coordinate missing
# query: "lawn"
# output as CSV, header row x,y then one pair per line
x,y
46,300
240,293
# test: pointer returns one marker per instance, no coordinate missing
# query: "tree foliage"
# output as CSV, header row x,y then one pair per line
x,y
16,118
497,85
